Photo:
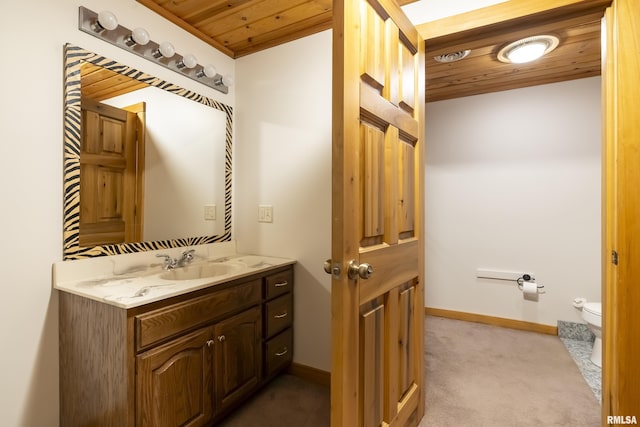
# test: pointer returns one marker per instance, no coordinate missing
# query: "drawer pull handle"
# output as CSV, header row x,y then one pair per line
x,y
283,352
280,316
281,284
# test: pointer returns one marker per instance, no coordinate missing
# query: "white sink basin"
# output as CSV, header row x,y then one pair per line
x,y
201,271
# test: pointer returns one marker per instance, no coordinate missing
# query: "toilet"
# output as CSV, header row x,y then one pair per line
x,y
592,314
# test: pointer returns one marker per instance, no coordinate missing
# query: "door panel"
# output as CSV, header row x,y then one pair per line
x,y
372,363
174,385
377,322
108,166
238,356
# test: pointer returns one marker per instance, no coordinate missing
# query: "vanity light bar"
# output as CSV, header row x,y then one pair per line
x,y
162,54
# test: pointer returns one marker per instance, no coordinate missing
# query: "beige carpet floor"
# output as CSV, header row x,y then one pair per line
x,y
477,376
481,375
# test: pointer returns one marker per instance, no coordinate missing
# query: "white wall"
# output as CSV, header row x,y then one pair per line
x,y
31,175
513,183
184,164
283,158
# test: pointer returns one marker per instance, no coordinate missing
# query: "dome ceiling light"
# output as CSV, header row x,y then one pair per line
x,y
528,49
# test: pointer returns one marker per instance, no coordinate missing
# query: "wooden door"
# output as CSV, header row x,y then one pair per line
x,y
238,357
377,217
108,163
174,384
621,212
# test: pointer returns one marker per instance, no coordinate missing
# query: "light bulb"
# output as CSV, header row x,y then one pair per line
x,y
227,80
208,70
188,61
528,49
165,49
138,36
106,21
527,52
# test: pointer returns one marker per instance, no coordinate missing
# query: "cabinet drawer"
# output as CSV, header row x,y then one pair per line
x,y
278,352
278,283
278,315
162,323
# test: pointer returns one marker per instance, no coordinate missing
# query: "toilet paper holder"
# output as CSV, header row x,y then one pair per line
x,y
527,278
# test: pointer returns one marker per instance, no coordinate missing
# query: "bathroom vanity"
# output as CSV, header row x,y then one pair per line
x,y
168,348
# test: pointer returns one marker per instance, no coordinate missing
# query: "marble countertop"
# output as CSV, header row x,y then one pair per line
x,y
129,282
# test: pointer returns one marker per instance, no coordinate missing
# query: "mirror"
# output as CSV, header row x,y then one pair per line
x,y
177,189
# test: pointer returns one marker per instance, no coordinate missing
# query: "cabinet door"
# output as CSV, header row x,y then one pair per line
x,y
238,354
173,382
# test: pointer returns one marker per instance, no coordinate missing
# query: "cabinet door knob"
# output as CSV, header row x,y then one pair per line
x,y
221,338
209,343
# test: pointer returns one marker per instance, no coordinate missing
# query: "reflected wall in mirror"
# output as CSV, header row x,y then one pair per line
x,y
147,164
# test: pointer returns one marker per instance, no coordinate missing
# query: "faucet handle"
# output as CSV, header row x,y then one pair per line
x,y
169,262
188,255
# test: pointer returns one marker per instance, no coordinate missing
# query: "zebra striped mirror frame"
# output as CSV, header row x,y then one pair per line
x,y
74,56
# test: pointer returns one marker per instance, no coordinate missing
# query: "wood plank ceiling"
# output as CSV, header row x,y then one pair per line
x,y
99,83
577,56
242,27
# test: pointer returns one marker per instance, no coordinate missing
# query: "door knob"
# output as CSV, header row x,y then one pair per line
x,y
363,270
331,268
327,266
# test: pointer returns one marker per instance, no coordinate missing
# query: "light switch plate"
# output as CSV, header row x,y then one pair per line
x,y
265,213
209,212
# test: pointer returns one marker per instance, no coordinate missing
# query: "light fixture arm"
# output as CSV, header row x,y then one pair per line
x,y
121,37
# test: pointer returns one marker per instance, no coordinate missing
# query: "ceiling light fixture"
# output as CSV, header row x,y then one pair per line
x,y
452,57
104,25
528,49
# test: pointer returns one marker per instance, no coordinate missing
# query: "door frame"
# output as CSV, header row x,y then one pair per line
x,y
621,134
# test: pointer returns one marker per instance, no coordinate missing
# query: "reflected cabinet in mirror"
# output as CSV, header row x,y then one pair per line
x,y
147,164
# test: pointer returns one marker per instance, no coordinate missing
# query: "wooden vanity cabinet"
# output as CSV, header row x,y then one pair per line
x,y
184,361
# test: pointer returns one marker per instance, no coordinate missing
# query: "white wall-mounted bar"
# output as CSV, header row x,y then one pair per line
x,y
118,36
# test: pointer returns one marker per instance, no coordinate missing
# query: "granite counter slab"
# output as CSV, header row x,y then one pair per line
x,y
134,286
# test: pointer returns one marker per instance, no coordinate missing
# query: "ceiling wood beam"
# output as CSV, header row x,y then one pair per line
x,y
477,21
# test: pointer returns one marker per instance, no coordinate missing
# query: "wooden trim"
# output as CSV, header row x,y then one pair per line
x,y
609,213
621,330
503,12
491,320
311,374
345,223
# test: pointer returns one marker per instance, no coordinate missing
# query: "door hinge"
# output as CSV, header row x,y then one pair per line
x,y
614,257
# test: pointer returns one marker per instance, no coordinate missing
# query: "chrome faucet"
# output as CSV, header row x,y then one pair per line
x,y
171,263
